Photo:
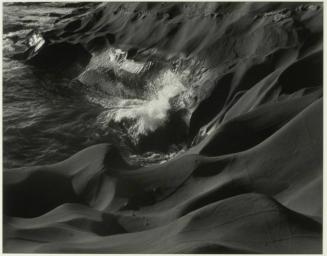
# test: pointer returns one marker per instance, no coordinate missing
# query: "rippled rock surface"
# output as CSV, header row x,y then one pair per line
x,y
163,127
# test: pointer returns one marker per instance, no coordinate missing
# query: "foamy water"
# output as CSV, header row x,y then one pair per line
x,y
116,59
140,112
150,114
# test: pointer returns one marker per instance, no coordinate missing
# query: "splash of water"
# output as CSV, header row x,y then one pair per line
x,y
139,96
148,115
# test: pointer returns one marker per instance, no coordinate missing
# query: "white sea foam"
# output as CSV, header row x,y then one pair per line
x,y
140,111
116,59
37,41
147,115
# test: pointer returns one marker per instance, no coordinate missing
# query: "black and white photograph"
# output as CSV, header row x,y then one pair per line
x,y
162,127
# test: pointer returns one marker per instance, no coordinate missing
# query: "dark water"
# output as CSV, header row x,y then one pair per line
x,y
43,123
40,123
